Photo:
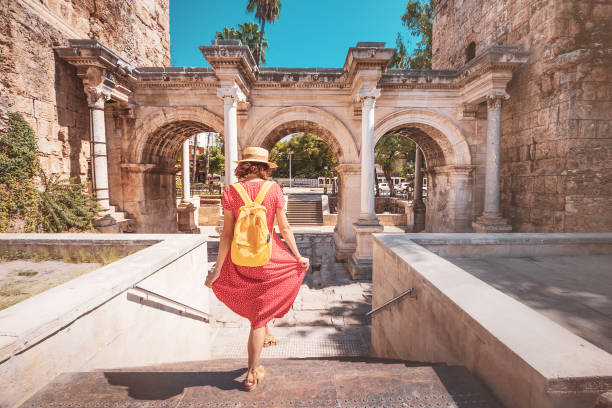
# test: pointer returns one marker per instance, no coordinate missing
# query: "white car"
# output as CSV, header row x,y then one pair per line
x,y
384,188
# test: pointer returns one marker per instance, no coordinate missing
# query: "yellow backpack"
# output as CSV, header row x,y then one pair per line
x,y
252,244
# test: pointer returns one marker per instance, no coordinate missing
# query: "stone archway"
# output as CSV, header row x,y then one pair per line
x,y
270,129
449,165
149,175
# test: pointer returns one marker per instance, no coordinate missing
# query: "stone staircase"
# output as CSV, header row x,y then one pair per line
x,y
304,210
113,221
309,382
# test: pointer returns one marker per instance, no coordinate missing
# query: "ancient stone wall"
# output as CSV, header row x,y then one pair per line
x,y
556,152
45,89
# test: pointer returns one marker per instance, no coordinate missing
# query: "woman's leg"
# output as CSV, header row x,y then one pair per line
x,y
256,340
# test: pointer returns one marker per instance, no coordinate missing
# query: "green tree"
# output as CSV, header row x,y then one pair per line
x,y
250,35
400,59
265,11
217,160
310,157
418,19
391,154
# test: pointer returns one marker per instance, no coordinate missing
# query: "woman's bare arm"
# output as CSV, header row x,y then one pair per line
x,y
285,230
225,243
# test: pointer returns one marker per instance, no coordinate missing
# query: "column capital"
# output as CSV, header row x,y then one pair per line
x,y
97,96
368,93
231,94
495,99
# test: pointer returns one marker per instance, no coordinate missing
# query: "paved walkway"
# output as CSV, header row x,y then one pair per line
x,y
328,318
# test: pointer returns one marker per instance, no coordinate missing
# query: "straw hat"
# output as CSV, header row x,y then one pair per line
x,y
256,154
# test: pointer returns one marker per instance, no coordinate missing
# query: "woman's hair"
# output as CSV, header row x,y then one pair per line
x,y
245,168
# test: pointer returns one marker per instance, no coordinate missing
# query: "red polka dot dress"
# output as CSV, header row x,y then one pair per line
x,y
259,293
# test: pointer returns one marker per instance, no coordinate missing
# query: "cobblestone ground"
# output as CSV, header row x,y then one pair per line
x,y
328,318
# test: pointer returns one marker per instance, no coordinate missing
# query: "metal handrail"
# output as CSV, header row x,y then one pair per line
x,y
208,316
398,297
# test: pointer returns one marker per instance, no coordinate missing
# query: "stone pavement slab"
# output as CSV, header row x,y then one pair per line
x,y
573,291
333,382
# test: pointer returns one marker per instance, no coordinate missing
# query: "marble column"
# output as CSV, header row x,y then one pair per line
x,y
187,212
230,95
360,264
185,172
491,220
96,99
418,206
367,214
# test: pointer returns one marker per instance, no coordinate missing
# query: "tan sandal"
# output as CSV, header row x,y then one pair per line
x,y
260,372
270,341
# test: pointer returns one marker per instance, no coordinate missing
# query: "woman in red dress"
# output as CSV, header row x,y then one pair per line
x,y
258,293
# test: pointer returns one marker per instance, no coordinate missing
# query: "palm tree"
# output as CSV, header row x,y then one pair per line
x,y
265,11
228,34
249,35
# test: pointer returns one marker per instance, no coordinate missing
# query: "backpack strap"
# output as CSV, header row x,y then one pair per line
x,y
263,191
242,193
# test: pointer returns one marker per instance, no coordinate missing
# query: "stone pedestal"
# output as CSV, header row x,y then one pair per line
x,y
187,213
491,223
360,264
106,224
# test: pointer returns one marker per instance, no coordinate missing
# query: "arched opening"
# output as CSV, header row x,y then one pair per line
x,y
446,165
151,179
394,158
306,170
303,119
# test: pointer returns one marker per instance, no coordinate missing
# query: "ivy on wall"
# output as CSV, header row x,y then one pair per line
x,y
57,206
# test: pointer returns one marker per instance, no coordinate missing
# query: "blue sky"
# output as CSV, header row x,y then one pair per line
x,y
309,33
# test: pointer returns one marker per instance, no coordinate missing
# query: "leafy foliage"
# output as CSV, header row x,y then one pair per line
x,y
310,157
60,206
18,164
217,160
418,19
65,205
400,58
392,154
265,11
250,35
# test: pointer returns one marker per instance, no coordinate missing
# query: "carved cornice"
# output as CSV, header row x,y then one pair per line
x,y
496,58
175,84
91,55
223,54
